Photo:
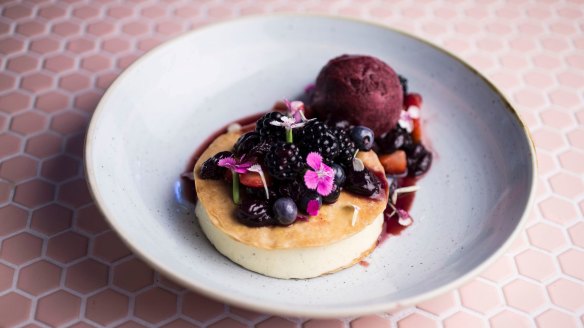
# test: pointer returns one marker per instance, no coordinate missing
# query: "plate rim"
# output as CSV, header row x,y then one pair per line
x,y
307,311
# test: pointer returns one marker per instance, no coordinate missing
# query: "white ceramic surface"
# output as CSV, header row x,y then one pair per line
x,y
156,114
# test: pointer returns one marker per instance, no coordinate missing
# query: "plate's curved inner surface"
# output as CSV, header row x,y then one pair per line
x,y
153,118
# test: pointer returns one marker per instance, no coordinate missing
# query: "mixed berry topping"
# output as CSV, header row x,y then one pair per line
x,y
290,166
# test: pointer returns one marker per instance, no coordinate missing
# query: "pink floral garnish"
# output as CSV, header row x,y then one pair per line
x,y
407,117
321,178
295,110
234,165
288,122
404,218
312,207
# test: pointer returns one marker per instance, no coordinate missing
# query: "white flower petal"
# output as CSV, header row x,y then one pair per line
x,y
358,164
356,210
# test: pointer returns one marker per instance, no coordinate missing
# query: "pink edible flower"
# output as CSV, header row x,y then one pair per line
x,y
407,117
295,110
321,178
234,165
312,207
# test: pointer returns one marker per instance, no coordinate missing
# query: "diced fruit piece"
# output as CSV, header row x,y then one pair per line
x,y
285,211
413,99
363,137
394,163
417,131
251,179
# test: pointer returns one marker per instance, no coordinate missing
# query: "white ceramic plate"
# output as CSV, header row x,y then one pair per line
x,y
156,114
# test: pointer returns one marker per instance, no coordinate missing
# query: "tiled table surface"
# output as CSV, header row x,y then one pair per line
x,y
60,264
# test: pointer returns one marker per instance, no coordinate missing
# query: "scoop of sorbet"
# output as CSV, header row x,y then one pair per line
x,y
361,90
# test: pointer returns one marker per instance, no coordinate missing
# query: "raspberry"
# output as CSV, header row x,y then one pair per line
x,y
318,137
268,131
284,161
210,169
347,147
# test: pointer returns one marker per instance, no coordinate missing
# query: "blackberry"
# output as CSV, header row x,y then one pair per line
x,y
362,182
246,143
210,169
254,213
268,131
283,161
292,189
318,137
259,194
347,147
419,161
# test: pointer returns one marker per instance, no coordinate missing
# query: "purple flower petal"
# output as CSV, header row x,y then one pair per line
x,y
311,179
314,160
312,207
228,162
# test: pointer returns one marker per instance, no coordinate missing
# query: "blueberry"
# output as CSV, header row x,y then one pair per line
x,y
333,196
340,176
285,210
306,197
363,137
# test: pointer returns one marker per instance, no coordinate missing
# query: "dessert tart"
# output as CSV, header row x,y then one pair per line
x,y
309,190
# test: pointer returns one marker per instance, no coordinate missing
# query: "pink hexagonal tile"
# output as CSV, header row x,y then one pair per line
x,y
480,296
9,145
133,275
571,160
39,277
36,82
243,313
18,168
546,163
81,324
577,234
149,43
100,28
87,101
153,11
6,277
109,247
535,264
22,64
135,28
58,308
506,319
557,119
11,46
227,323
51,219
558,210
34,193
415,320
565,98
323,323
439,305
126,61
86,12
546,237
17,11
106,307
42,145
30,28
5,193
567,185
59,63
571,261
68,122
119,12
168,283
74,82
276,322
576,138
14,309
80,45
525,296
44,45
105,80
180,323
52,12
60,168
169,27
66,29
67,247
75,193
52,101
130,324
91,220
155,305
75,145
546,61
95,63
463,320
567,294
28,122
7,82
21,248
116,45
370,321
86,276
529,98
201,308
14,101
522,43
554,318
570,79
188,10
576,61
